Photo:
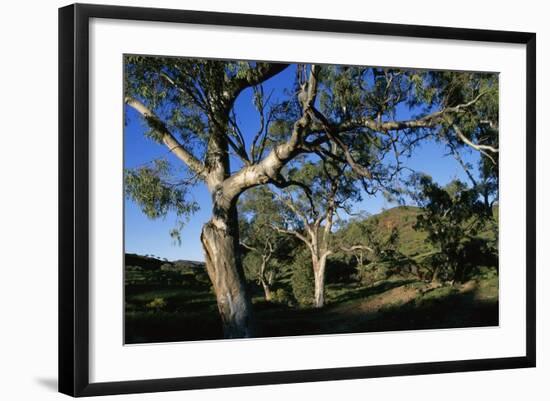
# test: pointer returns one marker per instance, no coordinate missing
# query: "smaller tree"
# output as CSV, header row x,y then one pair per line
x,y
374,248
265,249
452,217
310,207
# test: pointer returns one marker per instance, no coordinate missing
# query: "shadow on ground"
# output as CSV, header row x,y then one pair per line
x,y
386,306
49,383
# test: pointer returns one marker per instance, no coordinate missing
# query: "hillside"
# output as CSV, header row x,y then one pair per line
x,y
412,243
153,263
403,218
145,262
151,270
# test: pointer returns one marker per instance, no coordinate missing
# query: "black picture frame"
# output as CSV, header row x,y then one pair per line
x,y
74,198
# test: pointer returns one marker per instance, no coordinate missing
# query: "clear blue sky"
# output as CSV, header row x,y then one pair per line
x,y
146,236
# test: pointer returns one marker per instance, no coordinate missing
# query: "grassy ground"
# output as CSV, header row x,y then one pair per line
x,y
180,307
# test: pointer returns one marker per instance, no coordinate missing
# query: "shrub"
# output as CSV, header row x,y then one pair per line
x,y
282,296
340,270
302,280
371,274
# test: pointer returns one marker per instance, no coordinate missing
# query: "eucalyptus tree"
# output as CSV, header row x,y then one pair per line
x,y
188,106
452,216
368,242
266,248
310,211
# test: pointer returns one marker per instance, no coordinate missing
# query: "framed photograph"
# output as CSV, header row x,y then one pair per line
x,y
251,199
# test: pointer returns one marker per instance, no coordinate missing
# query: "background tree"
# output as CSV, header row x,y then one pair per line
x,y
188,106
310,209
266,249
376,249
452,216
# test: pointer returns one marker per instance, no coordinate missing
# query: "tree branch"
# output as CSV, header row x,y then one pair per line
x,y
292,232
356,248
166,136
428,121
268,169
458,158
479,147
250,248
293,208
333,136
255,76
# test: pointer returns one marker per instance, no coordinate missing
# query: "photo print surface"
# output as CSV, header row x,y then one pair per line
x,y
271,199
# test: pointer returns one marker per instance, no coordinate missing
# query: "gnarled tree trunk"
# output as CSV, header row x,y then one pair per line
x,y
220,243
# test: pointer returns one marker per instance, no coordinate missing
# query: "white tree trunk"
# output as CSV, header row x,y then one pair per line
x,y
319,277
219,239
267,290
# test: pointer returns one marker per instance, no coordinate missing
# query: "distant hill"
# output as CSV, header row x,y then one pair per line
x,y
403,218
151,270
148,262
145,262
411,242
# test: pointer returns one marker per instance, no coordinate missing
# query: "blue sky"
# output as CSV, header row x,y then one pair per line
x,y
146,236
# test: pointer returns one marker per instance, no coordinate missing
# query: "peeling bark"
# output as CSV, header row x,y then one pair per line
x,y
219,238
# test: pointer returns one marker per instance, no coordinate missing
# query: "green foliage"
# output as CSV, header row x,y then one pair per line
x,y
329,185
453,217
150,188
302,280
282,296
261,244
376,243
252,261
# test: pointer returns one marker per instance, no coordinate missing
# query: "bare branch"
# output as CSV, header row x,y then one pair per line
x,y
167,138
268,169
293,232
356,248
479,147
333,135
288,203
428,121
283,183
245,245
458,158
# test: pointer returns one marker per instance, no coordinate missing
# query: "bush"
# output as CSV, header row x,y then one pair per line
x,y
302,280
369,275
201,275
340,270
282,296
